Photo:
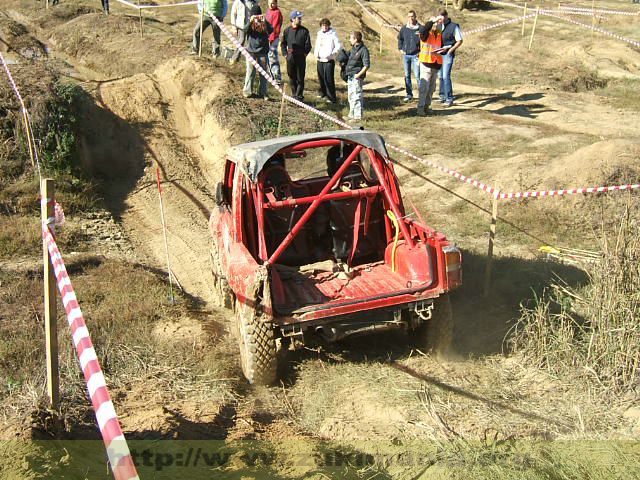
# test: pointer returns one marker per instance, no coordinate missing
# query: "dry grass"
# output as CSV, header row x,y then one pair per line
x,y
591,333
123,305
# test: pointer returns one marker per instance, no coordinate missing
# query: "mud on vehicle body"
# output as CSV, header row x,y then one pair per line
x,y
311,237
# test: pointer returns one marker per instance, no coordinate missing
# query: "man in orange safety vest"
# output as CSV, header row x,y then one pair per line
x,y
430,59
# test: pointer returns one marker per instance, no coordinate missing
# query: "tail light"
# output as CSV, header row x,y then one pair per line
x,y
453,263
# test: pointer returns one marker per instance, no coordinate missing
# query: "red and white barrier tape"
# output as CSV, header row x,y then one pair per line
x,y
28,126
496,25
12,82
117,449
453,173
571,191
479,29
590,11
630,41
463,178
562,12
460,176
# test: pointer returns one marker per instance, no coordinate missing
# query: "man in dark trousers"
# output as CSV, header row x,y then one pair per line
x,y
296,45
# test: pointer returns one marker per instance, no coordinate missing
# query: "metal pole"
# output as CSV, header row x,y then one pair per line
x,y
492,237
25,118
593,17
533,31
50,313
524,17
140,15
200,41
164,233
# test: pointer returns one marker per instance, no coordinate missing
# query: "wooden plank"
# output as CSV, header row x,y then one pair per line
x,y
50,313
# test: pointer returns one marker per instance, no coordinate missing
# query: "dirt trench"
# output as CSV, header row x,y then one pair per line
x,y
153,124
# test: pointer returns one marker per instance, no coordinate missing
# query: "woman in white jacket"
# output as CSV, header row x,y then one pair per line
x,y
239,18
327,47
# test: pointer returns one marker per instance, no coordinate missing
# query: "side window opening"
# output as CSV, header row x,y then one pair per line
x,y
227,185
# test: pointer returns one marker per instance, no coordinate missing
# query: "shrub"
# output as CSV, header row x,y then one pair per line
x,y
591,331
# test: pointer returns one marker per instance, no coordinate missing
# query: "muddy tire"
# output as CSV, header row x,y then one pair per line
x,y
256,339
223,293
459,4
436,335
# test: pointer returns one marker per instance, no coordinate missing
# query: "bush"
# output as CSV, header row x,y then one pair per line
x,y
592,331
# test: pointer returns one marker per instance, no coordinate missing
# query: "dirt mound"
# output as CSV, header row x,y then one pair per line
x,y
16,41
609,162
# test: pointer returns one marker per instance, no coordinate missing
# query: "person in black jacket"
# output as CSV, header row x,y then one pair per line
x,y
296,45
257,31
356,71
451,40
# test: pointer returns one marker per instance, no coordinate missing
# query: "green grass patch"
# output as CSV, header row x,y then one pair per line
x,y
622,93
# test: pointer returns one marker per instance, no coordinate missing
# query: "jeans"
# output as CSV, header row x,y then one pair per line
x,y
356,100
409,62
250,75
215,45
427,86
274,62
446,88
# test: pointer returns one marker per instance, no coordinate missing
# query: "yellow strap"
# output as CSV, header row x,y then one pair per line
x,y
394,220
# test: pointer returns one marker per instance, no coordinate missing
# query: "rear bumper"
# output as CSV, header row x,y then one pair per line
x,y
389,302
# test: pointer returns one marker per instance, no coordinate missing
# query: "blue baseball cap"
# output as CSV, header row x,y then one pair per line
x,y
296,14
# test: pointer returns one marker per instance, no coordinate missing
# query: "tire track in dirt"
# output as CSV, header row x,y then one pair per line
x,y
155,108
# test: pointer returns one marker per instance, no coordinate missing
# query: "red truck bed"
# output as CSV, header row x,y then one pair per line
x,y
303,292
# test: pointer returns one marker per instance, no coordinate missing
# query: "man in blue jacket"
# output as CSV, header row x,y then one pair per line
x,y
451,41
409,45
212,8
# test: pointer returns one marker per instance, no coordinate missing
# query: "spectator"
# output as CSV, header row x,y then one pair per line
x,y
327,47
356,71
212,8
430,63
296,45
274,17
451,41
239,19
105,7
258,31
409,45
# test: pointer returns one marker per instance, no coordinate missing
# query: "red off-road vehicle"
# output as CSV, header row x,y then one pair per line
x,y
311,237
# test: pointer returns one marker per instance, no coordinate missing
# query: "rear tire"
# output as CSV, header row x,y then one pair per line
x,y
256,339
221,288
436,334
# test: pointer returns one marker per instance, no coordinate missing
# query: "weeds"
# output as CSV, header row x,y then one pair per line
x,y
593,331
125,307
